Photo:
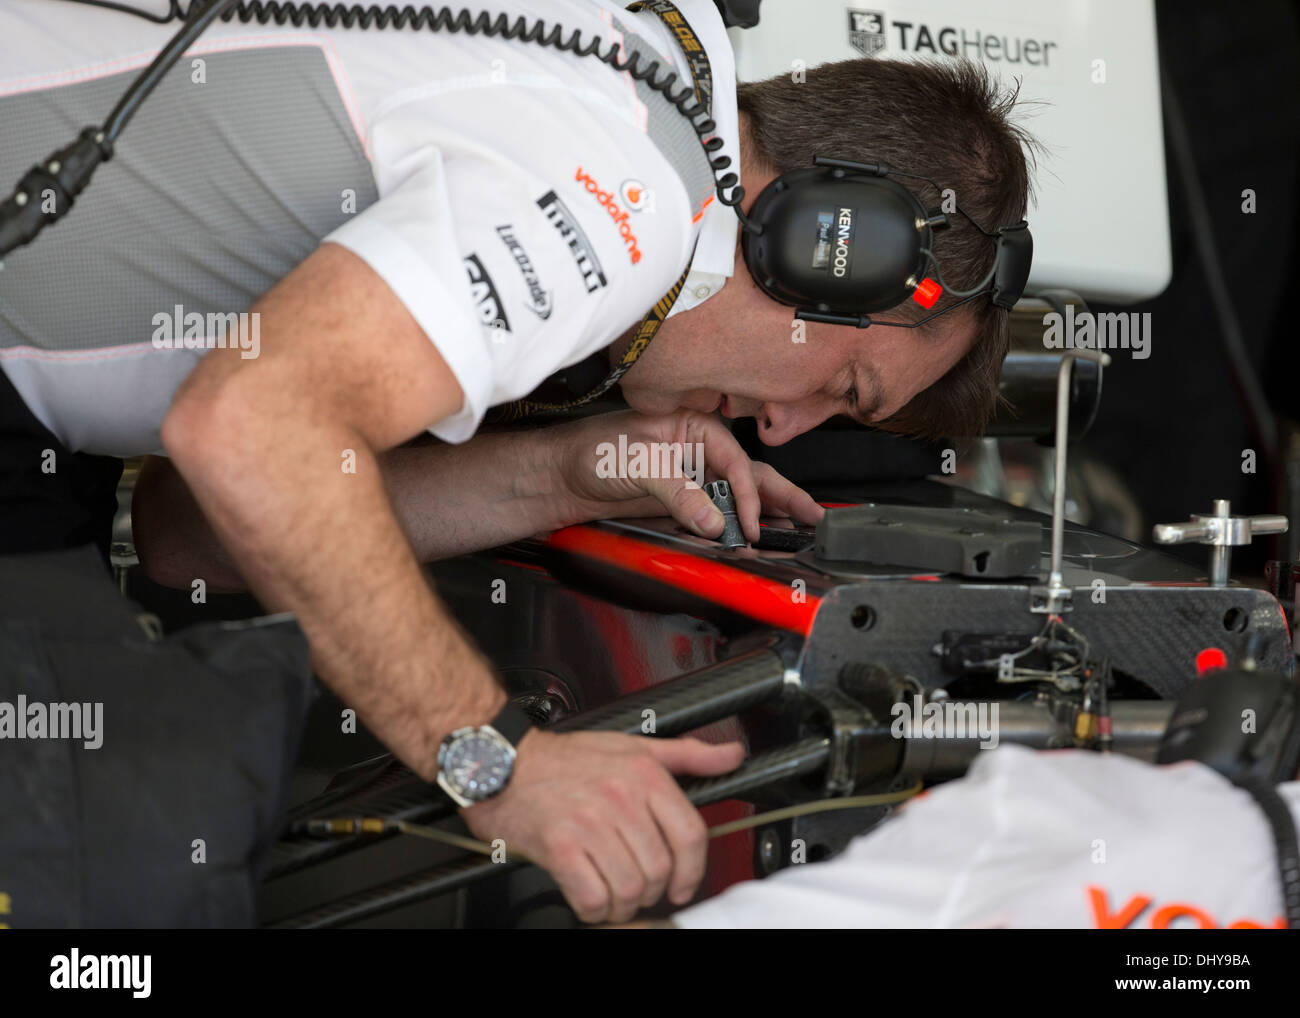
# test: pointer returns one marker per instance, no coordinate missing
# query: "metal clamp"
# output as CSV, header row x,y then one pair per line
x,y
1221,531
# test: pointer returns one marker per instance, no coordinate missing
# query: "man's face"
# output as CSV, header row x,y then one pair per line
x,y
740,353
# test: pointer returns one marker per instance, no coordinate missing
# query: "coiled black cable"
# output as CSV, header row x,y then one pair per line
x,y
498,26
1284,839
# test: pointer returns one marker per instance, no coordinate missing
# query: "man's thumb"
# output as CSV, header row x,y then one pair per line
x,y
690,507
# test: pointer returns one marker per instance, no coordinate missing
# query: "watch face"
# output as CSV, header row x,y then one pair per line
x,y
477,765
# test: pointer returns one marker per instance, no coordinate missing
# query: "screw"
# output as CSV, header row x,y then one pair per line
x,y
769,851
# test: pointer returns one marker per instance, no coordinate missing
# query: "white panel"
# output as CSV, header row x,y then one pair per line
x,y
1101,221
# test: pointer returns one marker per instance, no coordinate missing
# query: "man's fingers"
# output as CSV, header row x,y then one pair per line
x,y
619,869
651,851
581,884
727,459
688,838
780,495
692,756
756,487
696,510
687,503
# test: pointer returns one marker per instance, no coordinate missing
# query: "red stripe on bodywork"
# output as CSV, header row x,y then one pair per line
x,y
755,596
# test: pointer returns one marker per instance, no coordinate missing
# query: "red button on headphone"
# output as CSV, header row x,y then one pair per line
x,y
927,292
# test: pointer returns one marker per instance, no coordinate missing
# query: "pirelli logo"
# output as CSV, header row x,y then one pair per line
x,y
580,249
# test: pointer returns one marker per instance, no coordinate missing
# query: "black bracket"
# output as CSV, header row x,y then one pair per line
x,y
967,542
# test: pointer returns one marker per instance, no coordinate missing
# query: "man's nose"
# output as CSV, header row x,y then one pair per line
x,y
780,422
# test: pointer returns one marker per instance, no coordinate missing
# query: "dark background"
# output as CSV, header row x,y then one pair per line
x,y
1171,425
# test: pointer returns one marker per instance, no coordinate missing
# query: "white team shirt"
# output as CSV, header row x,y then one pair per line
x,y
524,216
1058,839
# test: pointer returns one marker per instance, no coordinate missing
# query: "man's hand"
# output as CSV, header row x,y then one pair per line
x,y
758,488
602,814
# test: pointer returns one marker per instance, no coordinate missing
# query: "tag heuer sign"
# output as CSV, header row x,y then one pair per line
x,y
867,31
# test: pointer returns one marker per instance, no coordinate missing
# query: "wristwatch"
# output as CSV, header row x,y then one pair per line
x,y
475,763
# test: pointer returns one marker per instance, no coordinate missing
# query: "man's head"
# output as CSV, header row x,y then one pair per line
x,y
742,353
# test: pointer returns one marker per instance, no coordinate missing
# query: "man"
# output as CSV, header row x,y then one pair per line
x,y
492,212
1060,839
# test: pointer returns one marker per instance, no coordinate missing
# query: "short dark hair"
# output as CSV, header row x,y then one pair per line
x,y
951,121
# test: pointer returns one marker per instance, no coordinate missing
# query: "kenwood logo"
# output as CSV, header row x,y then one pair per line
x,y
593,276
843,239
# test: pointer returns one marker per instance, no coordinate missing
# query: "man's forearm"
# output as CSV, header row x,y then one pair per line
x,y
323,542
452,500
449,499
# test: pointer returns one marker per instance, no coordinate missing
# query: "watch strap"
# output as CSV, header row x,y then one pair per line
x,y
512,723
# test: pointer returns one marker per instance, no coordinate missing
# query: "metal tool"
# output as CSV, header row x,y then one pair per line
x,y
732,535
1220,530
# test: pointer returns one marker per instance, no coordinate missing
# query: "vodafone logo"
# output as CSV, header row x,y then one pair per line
x,y
1162,917
616,212
634,194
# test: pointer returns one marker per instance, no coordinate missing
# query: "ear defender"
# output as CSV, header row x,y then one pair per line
x,y
1015,255
840,241
837,239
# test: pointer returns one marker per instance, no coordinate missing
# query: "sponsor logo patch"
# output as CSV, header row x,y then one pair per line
x,y
633,193
484,293
539,298
617,213
584,256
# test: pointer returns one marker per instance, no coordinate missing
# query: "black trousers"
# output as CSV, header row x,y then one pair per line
x,y
165,817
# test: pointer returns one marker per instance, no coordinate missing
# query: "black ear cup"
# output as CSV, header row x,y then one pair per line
x,y
831,240
1014,257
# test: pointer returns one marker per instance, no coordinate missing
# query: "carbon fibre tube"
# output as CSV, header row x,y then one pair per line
x,y
678,705
691,700
803,757
1136,727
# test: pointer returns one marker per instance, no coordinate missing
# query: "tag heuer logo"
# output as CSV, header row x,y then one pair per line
x,y
867,31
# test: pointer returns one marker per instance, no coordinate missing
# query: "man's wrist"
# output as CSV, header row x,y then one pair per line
x,y
476,762
477,707
563,451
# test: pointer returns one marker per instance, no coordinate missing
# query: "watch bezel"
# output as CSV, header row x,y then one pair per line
x,y
463,796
